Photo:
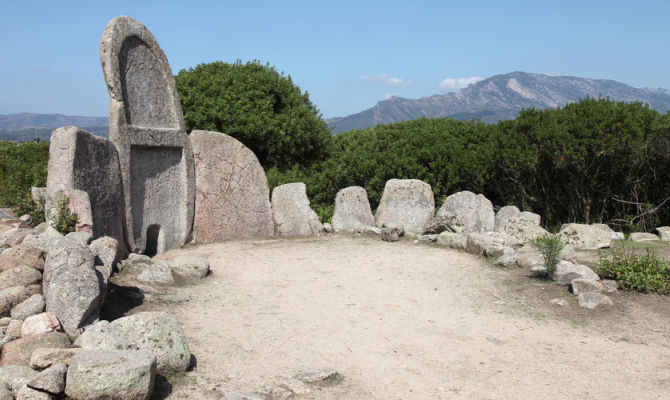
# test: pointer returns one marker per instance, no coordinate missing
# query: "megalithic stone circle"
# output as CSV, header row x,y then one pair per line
x,y
146,125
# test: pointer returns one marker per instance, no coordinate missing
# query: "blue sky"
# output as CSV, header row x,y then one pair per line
x,y
347,54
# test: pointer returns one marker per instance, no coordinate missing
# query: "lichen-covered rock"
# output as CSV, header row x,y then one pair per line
x,y
16,376
505,214
232,198
28,393
22,255
591,300
43,240
14,237
474,211
481,244
71,285
352,209
31,306
46,357
51,380
579,286
566,271
10,297
408,202
585,237
522,230
157,332
191,266
77,201
19,351
292,213
19,276
453,240
111,375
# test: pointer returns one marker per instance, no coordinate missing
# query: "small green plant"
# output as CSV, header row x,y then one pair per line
x,y
643,273
27,206
65,221
550,247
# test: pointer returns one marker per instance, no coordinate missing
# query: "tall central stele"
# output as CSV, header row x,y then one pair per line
x,y
146,125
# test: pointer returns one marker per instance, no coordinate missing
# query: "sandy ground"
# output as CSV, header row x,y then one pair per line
x,y
407,321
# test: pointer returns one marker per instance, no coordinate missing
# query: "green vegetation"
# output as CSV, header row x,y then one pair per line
x,y
643,273
256,105
64,221
550,247
27,206
22,165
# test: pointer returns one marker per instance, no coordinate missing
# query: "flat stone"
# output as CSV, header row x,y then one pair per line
x,y
18,352
292,213
40,323
408,202
453,240
32,305
579,286
352,209
45,357
371,230
312,376
111,375
44,240
429,238
157,332
232,198
585,237
642,237
50,380
147,128
507,260
191,266
22,255
592,300
160,273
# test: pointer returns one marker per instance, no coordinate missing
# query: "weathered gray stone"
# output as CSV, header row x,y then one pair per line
x,y
160,273
15,236
579,286
19,351
328,228
663,233
147,127
370,230
591,300
481,244
617,236
31,306
10,297
232,198
566,271
5,392
43,241
111,375
523,230
84,237
71,285
13,330
22,255
532,217
291,212
157,332
475,212
603,227
46,357
16,376
40,323
19,276
609,285
191,266
585,237
106,255
428,238
390,235
408,202
28,393
50,380
40,228
507,260
352,209
505,214
312,376
642,237
453,240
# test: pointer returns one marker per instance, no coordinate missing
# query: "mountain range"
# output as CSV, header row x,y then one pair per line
x,y
501,97
47,121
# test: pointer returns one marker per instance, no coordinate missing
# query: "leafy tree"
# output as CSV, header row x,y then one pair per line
x,y
258,106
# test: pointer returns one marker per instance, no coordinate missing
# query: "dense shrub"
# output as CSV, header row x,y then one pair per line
x,y
550,247
643,273
22,165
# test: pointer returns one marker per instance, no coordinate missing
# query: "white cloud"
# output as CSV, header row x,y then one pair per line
x,y
386,80
453,84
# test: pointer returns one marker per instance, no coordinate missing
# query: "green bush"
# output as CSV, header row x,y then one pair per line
x,y
643,273
27,206
550,247
65,221
22,165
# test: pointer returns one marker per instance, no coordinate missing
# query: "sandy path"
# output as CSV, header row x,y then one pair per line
x,y
403,321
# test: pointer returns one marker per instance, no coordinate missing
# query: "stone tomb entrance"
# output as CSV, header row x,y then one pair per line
x,y
147,127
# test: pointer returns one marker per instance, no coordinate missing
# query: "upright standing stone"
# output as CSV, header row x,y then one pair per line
x,y
352,209
291,211
147,127
232,198
79,161
408,202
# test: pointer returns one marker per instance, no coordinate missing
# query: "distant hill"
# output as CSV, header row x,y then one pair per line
x,y
501,97
48,121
